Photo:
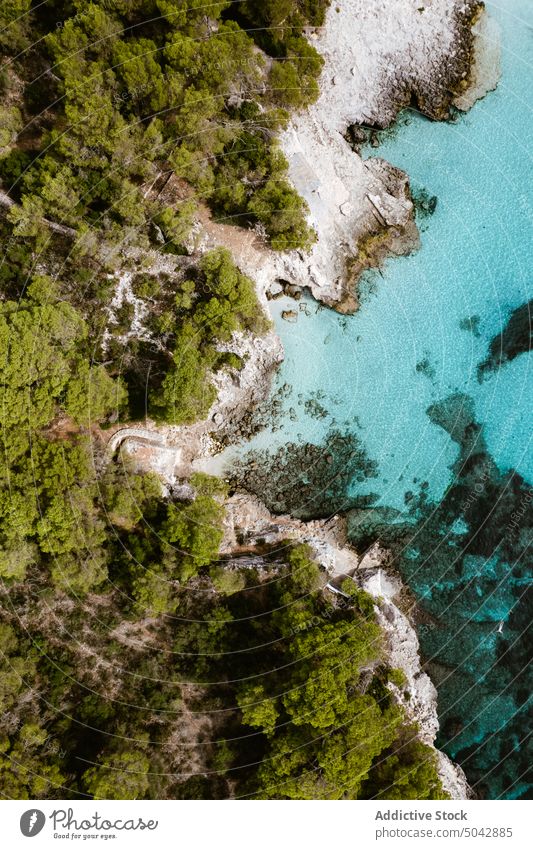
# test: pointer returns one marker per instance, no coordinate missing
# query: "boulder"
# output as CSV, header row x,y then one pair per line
x,y
290,315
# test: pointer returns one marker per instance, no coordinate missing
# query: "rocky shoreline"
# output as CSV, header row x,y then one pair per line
x,y
378,59
250,527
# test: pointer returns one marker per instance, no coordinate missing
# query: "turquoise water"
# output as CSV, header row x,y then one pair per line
x,y
475,261
424,326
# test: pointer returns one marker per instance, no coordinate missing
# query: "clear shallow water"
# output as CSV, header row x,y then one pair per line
x,y
405,348
424,326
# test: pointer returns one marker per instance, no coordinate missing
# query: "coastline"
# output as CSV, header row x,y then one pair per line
x,y
249,527
362,212
376,63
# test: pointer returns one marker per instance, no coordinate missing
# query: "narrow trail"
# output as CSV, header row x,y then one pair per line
x,y
139,434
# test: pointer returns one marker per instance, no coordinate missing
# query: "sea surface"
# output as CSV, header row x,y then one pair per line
x,y
445,446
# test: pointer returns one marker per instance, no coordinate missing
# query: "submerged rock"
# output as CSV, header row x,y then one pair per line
x,y
306,480
424,202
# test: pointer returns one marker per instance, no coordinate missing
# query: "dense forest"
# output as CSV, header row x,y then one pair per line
x,y
135,662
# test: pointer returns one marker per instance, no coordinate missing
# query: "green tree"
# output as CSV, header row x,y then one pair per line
x,y
15,24
408,770
27,769
120,775
38,350
186,393
280,208
195,532
92,395
135,63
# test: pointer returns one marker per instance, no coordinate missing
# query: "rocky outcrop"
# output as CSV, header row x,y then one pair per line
x,y
418,696
249,524
249,527
485,69
379,58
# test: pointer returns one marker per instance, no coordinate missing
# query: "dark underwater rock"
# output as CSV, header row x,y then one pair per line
x,y
309,481
516,338
468,562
